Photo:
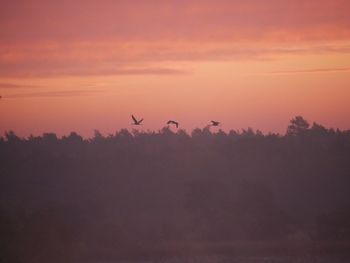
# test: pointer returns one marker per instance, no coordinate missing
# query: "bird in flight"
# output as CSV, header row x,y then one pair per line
x,y
173,122
215,123
136,122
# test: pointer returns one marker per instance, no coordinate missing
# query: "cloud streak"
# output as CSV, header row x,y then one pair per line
x,y
29,69
140,58
306,71
54,94
14,86
51,38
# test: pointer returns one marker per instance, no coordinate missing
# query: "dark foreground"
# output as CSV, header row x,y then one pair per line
x,y
239,252
174,197
222,259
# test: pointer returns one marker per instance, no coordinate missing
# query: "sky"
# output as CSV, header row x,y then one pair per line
x,y
89,64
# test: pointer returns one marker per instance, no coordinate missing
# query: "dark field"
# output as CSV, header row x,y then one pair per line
x,y
241,252
173,197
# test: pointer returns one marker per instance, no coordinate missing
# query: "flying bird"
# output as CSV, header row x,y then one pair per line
x,y
136,122
215,123
173,122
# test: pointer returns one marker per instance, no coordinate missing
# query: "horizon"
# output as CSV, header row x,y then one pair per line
x,y
135,130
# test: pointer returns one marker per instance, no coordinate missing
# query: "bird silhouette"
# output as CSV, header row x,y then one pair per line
x,y
215,123
173,122
136,122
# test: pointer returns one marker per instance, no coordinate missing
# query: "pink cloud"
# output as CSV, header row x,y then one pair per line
x,y
91,19
139,58
40,37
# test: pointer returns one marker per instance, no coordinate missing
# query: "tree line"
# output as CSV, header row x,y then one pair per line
x,y
131,192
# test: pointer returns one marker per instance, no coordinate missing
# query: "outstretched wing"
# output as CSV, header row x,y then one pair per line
x,y
177,124
133,117
140,121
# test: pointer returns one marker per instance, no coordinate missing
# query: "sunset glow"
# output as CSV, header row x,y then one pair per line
x,y
84,65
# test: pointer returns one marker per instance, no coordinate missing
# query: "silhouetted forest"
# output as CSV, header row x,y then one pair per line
x,y
130,193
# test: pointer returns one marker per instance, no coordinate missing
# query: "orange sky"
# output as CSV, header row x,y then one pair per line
x,y
89,64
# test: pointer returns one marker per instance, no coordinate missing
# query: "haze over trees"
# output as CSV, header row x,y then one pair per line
x,y
133,193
